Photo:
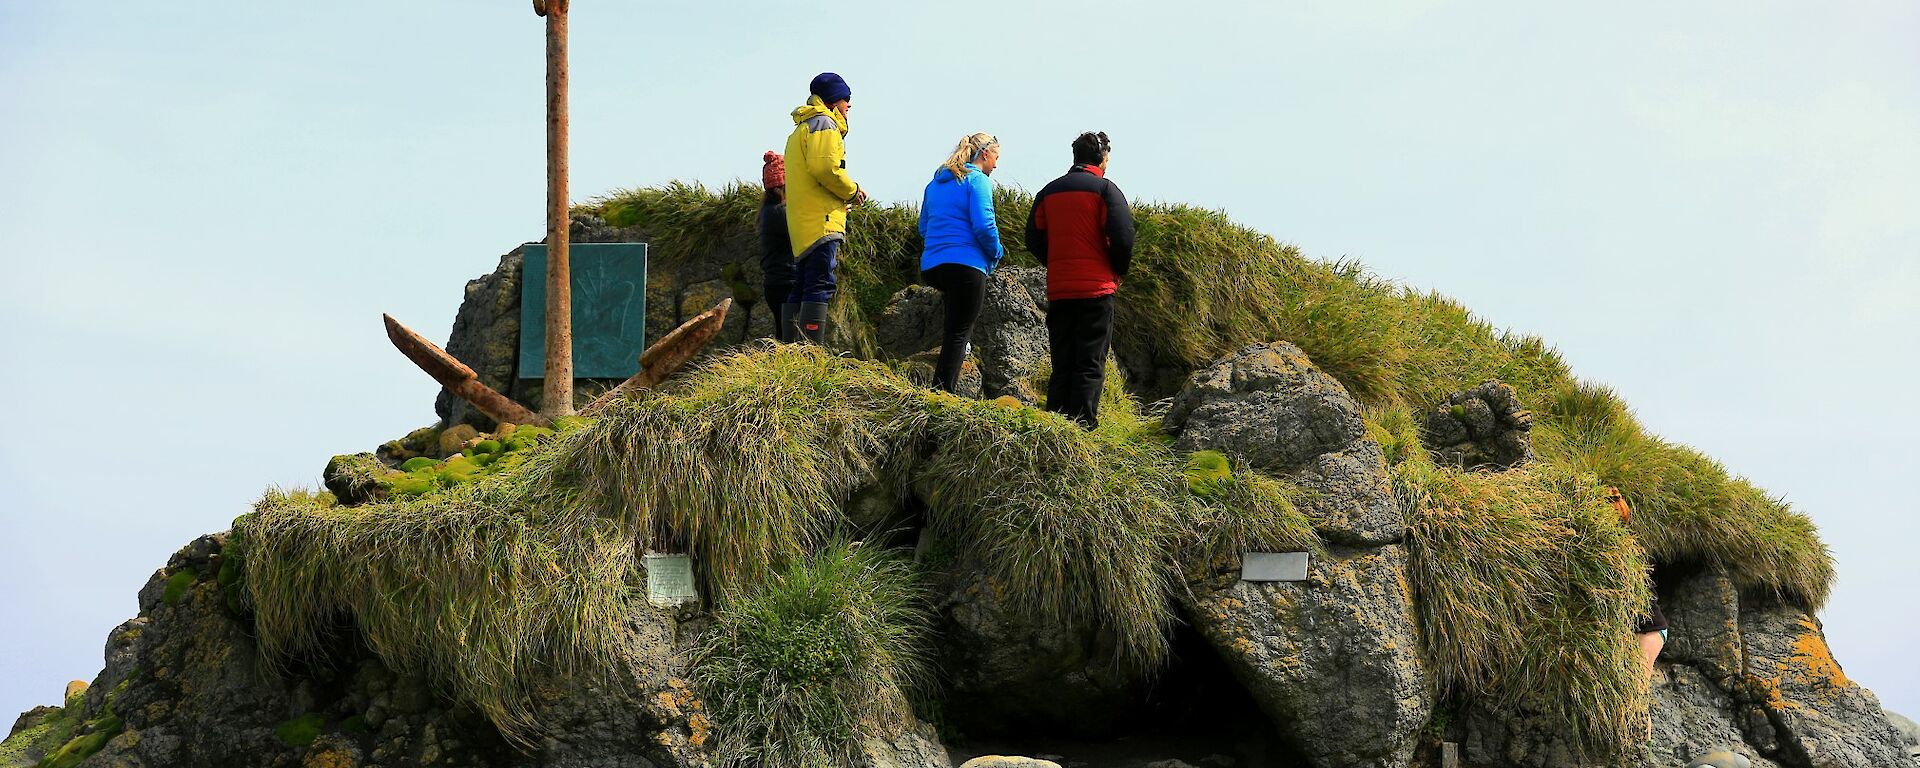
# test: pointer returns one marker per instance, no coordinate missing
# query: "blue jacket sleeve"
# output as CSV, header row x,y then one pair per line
x,y
986,228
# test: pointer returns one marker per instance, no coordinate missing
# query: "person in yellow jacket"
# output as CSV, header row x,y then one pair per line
x,y
819,193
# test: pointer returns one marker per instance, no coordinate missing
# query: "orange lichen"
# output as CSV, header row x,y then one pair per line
x,y
1813,664
700,728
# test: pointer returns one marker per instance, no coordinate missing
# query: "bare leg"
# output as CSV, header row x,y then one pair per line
x,y
1650,645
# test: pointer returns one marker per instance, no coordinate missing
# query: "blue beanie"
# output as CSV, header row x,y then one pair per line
x,y
829,87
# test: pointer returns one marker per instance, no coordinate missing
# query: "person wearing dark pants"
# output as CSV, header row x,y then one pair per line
x,y
1078,331
776,251
962,245
1081,228
819,194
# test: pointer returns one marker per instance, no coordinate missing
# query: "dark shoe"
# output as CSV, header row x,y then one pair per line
x,y
812,322
784,329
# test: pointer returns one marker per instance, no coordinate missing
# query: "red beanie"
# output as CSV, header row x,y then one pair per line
x,y
773,170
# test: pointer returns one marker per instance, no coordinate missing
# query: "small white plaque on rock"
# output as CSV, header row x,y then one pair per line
x,y
669,579
1273,566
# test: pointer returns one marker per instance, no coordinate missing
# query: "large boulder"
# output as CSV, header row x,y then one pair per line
x,y
1009,338
1333,660
1267,405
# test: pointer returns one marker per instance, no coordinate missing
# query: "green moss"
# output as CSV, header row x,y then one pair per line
x,y
178,584
418,463
95,734
1207,472
43,738
301,731
487,446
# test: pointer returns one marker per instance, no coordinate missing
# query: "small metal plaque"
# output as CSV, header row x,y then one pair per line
x,y
669,579
1273,566
609,309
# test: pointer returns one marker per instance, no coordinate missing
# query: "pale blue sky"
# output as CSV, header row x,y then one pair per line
x,y
204,208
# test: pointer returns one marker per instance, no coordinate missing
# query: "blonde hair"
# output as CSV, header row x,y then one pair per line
x,y
970,149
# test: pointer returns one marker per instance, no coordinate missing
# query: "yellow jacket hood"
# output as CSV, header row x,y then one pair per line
x,y
817,108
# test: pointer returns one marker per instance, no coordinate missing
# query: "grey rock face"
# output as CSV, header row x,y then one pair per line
x,y
1333,661
1822,718
1481,427
1009,339
1268,406
1007,672
1738,674
917,747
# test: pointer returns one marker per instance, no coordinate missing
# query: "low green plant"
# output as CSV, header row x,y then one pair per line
x,y
177,585
798,670
301,731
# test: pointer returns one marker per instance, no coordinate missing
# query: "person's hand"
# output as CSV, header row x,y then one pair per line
x,y
859,196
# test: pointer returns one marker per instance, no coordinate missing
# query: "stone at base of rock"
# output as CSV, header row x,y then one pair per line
x,y
1003,761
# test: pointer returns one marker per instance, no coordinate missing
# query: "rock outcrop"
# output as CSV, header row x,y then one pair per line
x,y
1483,427
1740,673
1333,660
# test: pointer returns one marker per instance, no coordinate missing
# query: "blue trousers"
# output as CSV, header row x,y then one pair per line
x,y
813,279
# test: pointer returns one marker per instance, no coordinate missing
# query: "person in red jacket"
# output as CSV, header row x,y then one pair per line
x,y
1082,230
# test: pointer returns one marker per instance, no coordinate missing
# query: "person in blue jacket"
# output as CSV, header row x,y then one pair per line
x,y
962,245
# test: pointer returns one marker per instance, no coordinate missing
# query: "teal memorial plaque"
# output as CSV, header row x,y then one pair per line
x,y
609,309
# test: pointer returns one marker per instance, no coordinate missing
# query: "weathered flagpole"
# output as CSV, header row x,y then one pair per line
x,y
556,398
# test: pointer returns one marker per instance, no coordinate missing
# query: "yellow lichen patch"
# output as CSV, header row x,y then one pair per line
x,y
701,728
1243,646
666,701
329,758
1813,666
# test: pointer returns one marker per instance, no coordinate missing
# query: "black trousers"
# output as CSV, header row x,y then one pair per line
x,y
962,290
1078,331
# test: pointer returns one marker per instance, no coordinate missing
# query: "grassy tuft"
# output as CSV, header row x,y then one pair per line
x,y
1687,507
797,671
1527,588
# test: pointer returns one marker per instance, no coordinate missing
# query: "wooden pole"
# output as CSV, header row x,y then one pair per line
x,y
556,396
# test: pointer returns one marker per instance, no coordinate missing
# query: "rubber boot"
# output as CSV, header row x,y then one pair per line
x,y
784,330
811,321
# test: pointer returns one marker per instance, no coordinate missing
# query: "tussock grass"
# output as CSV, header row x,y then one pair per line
x,y
1528,587
796,670
746,464
749,464
1687,507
